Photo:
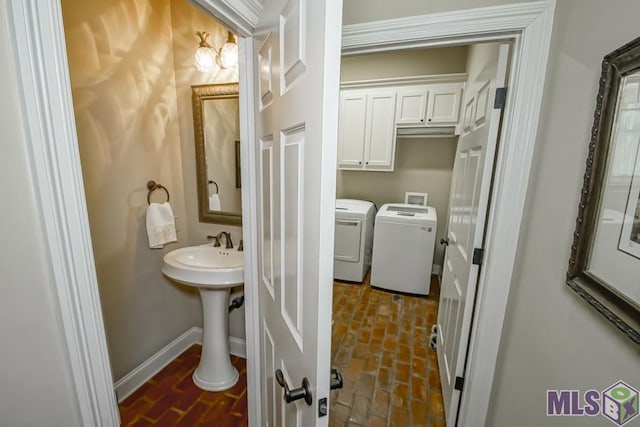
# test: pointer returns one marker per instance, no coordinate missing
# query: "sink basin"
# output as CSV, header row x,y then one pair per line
x,y
213,271
205,266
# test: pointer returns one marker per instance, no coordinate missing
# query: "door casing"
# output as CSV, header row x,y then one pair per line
x,y
48,118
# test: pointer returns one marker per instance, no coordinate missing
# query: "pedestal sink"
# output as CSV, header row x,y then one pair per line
x,y
213,271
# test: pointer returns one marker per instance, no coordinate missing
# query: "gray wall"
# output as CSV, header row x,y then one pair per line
x,y
36,380
422,164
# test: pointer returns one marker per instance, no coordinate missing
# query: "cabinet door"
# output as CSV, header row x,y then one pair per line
x,y
380,133
351,129
444,104
412,107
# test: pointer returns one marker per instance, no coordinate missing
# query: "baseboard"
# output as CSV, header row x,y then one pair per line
x,y
125,386
436,269
238,347
140,375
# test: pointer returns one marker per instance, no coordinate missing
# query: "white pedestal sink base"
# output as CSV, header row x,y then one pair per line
x,y
215,371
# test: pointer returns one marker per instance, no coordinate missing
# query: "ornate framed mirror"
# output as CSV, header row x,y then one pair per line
x,y
216,132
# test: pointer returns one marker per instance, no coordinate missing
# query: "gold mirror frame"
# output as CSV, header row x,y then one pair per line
x,y
199,94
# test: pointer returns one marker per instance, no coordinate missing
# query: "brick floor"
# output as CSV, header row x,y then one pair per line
x,y
379,342
171,398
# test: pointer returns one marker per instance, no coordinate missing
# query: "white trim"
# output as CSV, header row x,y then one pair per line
x,y
249,170
529,26
403,81
240,16
441,29
238,347
147,369
126,385
53,150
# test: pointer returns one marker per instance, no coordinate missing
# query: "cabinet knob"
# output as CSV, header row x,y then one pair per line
x,y
359,163
422,120
429,119
366,163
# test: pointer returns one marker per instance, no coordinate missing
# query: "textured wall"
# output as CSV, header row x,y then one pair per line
x,y
124,90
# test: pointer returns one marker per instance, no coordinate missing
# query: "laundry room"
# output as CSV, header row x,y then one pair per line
x,y
401,116
423,163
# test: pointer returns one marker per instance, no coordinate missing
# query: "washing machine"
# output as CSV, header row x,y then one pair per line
x,y
403,248
353,239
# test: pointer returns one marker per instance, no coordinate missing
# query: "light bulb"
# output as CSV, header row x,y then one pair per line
x,y
229,55
205,59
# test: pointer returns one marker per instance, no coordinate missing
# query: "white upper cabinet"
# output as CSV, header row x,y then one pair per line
x,y
380,137
444,104
351,129
366,130
372,111
429,105
412,107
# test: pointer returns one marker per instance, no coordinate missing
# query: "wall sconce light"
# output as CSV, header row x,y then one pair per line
x,y
207,56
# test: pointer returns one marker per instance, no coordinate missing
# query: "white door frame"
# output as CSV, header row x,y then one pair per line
x,y
37,34
529,26
48,116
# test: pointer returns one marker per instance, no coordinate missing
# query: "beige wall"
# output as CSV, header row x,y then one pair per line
x,y
406,63
133,112
552,339
35,374
422,164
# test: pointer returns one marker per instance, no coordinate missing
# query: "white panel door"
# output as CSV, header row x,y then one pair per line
x,y
472,172
351,129
297,64
380,133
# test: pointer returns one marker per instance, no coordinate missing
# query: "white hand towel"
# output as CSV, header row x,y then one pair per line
x,y
161,226
214,202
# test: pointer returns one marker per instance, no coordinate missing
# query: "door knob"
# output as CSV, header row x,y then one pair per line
x,y
335,381
444,242
296,393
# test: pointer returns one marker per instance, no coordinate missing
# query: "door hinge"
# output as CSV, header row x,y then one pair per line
x,y
459,383
478,254
501,98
